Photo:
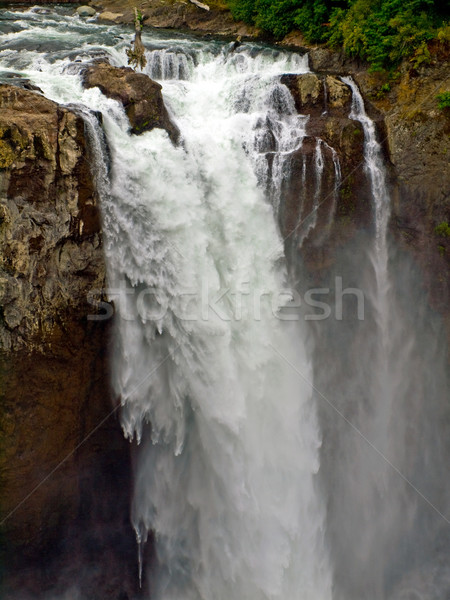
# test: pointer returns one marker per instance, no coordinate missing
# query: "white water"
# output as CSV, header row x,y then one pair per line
x,y
225,476
375,168
381,209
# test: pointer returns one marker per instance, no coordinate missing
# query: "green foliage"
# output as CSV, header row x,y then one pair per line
x,y
243,10
383,32
421,56
443,33
443,229
276,17
139,19
443,100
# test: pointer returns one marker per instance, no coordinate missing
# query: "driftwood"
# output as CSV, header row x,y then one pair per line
x,y
200,4
136,54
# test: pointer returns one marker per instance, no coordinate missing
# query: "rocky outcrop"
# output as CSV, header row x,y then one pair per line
x,y
176,14
140,96
50,241
61,447
418,142
326,101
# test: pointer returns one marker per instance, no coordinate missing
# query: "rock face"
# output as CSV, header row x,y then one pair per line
x,y
177,14
140,96
326,101
418,141
50,241
85,11
61,453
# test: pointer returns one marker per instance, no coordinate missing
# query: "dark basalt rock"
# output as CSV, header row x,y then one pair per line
x,y
140,96
64,464
326,101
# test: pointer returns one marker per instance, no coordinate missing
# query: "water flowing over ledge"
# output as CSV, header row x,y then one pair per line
x,y
245,487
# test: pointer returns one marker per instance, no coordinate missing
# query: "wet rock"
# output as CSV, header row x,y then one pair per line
x,y
338,93
316,94
6,77
140,96
62,454
107,15
307,91
85,11
48,204
50,258
342,209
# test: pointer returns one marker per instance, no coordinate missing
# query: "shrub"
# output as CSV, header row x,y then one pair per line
x,y
443,100
443,229
383,32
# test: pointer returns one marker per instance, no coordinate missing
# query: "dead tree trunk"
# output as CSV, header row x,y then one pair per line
x,y
136,54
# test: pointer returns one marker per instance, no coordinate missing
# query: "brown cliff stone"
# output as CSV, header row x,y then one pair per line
x,y
141,97
326,100
417,136
61,447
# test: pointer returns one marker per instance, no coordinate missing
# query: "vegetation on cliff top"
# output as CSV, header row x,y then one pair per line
x,y
383,32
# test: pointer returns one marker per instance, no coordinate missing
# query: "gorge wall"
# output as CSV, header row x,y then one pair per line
x,y
62,450
414,134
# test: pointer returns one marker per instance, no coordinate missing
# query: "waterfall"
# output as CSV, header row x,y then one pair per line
x,y
228,433
271,461
374,167
382,509
226,430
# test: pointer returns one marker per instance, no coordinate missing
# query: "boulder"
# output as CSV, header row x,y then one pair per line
x,y
338,93
140,96
85,11
307,91
315,94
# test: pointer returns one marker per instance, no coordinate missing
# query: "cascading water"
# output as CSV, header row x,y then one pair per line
x,y
310,220
383,509
215,387
233,514
225,472
374,166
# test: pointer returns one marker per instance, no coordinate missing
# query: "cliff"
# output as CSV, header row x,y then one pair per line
x,y
62,450
414,134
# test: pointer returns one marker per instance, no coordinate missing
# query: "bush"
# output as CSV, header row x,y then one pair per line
x,y
443,229
383,32
443,100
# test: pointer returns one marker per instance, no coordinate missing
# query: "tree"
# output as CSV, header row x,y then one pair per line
x,y
136,54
